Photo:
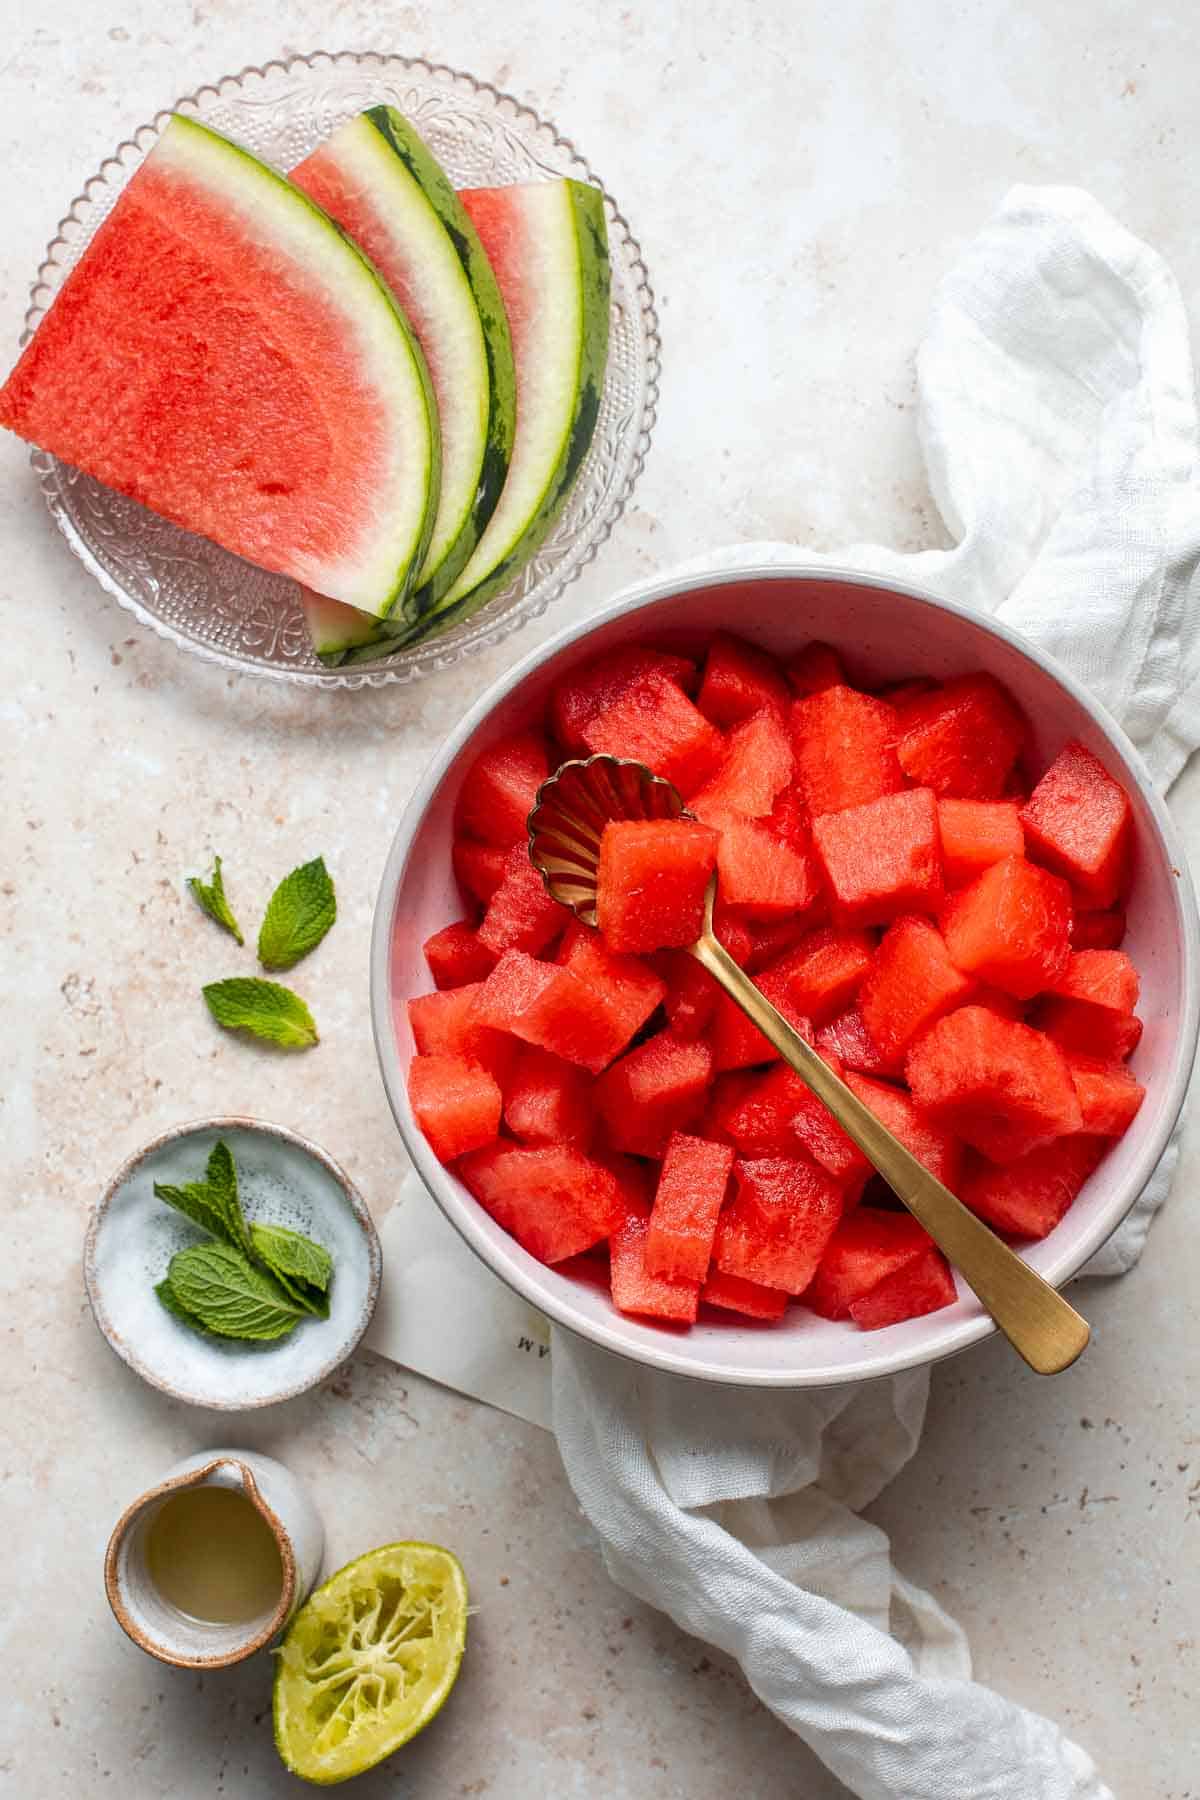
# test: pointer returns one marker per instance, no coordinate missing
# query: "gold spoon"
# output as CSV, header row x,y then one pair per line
x,y
565,826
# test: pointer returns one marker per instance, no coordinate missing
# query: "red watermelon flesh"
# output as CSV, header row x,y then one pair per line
x,y
736,1041
771,939
867,1246
847,1038
815,668
844,756
789,821
576,699
761,875
520,914
1102,977
881,859
1027,1198
554,1200
963,739
691,1188
478,868
1098,930
625,988
246,375
824,971
725,1096
455,1102
922,1286
691,995
938,1149
975,834
911,983
635,1289
551,1007
1109,1096
1011,927
651,882
1000,1086
739,681
548,1101
733,1293
780,1114
655,1089
499,789
1081,1029
776,1228
653,722
456,956
1079,822
445,1024
756,768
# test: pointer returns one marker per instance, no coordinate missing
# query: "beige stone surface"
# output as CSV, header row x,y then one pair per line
x,y
799,174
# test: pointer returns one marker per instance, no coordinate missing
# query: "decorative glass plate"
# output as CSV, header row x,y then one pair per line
x,y
205,599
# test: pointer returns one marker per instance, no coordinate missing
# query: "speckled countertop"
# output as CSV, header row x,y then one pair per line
x,y
799,174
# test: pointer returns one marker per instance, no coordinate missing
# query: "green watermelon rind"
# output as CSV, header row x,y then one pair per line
x,y
413,558
590,235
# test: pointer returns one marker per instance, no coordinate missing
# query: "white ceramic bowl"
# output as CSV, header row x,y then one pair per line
x,y
886,632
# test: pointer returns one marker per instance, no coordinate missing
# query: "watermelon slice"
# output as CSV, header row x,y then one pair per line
x,y
377,179
224,355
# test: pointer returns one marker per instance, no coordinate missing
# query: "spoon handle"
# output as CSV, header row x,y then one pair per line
x,y
1037,1321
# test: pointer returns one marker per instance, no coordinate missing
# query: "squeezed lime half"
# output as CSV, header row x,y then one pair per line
x,y
368,1660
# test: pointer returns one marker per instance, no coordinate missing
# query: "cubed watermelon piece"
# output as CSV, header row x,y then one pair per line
x,y
823,972
780,1114
1028,1197
1011,927
755,770
938,1149
736,1042
844,756
456,956
554,1200
777,1226
922,1286
691,1187
653,722
911,982
1080,824
514,984
725,1096
1109,1095
881,859
976,834
657,1088
763,876
455,1102
963,739
771,939
478,868
867,1246
576,699
1098,930
1103,977
626,988
739,680
520,914
1081,1029
691,995
847,1037
733,1293
547,1005
815,668
445,1024
651,883
999,1085
499,789
635,1289
548,1101
789,820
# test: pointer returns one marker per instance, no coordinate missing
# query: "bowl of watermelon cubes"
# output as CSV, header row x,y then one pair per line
x,y
936,856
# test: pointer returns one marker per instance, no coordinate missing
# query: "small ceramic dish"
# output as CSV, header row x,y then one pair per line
x,y
282,1180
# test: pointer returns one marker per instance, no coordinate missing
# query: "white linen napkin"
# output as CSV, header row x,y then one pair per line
x,y
1058,425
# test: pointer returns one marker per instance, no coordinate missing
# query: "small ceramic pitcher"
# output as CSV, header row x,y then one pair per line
x,y
160,1628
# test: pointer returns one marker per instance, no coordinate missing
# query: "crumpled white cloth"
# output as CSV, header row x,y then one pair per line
x,y
1058,424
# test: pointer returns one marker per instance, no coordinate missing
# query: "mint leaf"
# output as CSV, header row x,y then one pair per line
x,y
211,899
213,1203
171,1301
299,913
247,1003
290,1253
222,1288
311,1299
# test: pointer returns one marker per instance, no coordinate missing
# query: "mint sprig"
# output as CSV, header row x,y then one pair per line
x,y
299,913
263,1008
213,1203
210,897
303,1269
223,1289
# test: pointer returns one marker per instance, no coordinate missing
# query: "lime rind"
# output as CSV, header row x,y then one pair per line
x,y
369,1660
